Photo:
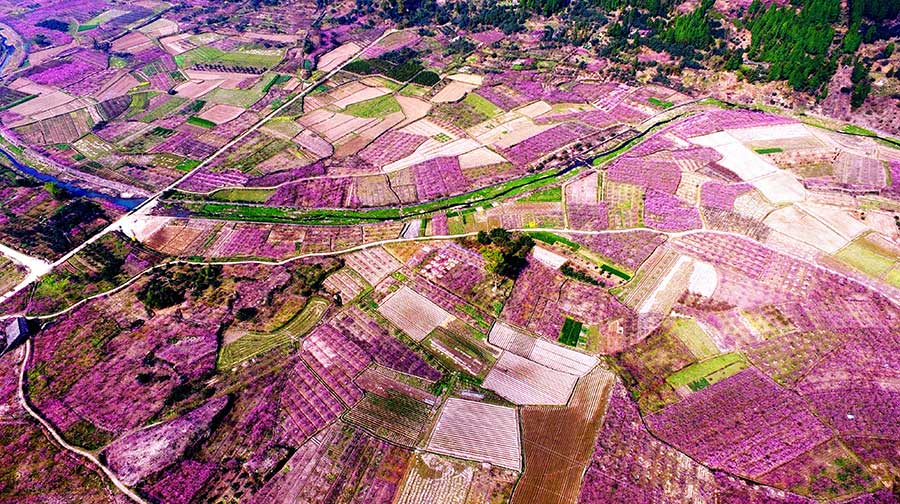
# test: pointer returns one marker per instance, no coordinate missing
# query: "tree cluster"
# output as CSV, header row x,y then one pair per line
x,y
862,84
505,252
796,44
311,276
170,287
694,29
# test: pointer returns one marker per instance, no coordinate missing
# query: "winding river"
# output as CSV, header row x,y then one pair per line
x,y
77,190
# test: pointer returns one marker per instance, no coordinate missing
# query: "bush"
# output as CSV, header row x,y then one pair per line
x,y
405,71
362,67
245,313
169,288
581,276
159,293
427,78
58,192
54,24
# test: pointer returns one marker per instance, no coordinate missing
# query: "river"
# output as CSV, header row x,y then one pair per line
x,y
74,189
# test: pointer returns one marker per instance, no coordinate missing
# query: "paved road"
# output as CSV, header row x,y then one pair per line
x,y
36,269
893,295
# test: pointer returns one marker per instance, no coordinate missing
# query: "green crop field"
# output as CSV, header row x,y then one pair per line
x,y
571,332
187,165
768,150
201,122
893,277
237,97
462,114
689,332
866,257
163,110
376,107
138,104
242,195
258,59
551,238
615,271
707,372
482,105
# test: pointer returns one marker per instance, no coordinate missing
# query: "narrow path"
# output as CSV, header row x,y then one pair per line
x,y
23,401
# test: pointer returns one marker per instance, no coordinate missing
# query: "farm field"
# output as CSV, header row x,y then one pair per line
x,y
11,273
413,313
478,431
254,343
463,252
557,442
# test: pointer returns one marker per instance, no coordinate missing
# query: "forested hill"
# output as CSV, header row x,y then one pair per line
x,y
802,42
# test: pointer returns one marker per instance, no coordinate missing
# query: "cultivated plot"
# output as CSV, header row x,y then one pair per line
x,y
478,431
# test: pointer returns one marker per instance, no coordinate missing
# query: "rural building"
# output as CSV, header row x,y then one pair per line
x,y
14,332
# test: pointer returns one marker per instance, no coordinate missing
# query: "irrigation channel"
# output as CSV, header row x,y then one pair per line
x,y
456,203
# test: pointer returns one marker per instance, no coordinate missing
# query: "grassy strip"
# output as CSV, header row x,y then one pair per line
x,y
277,79
11,147
613,271
323,217
552,238
19,101
857,130
660,103
552,195
201,122
617,151
768,150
